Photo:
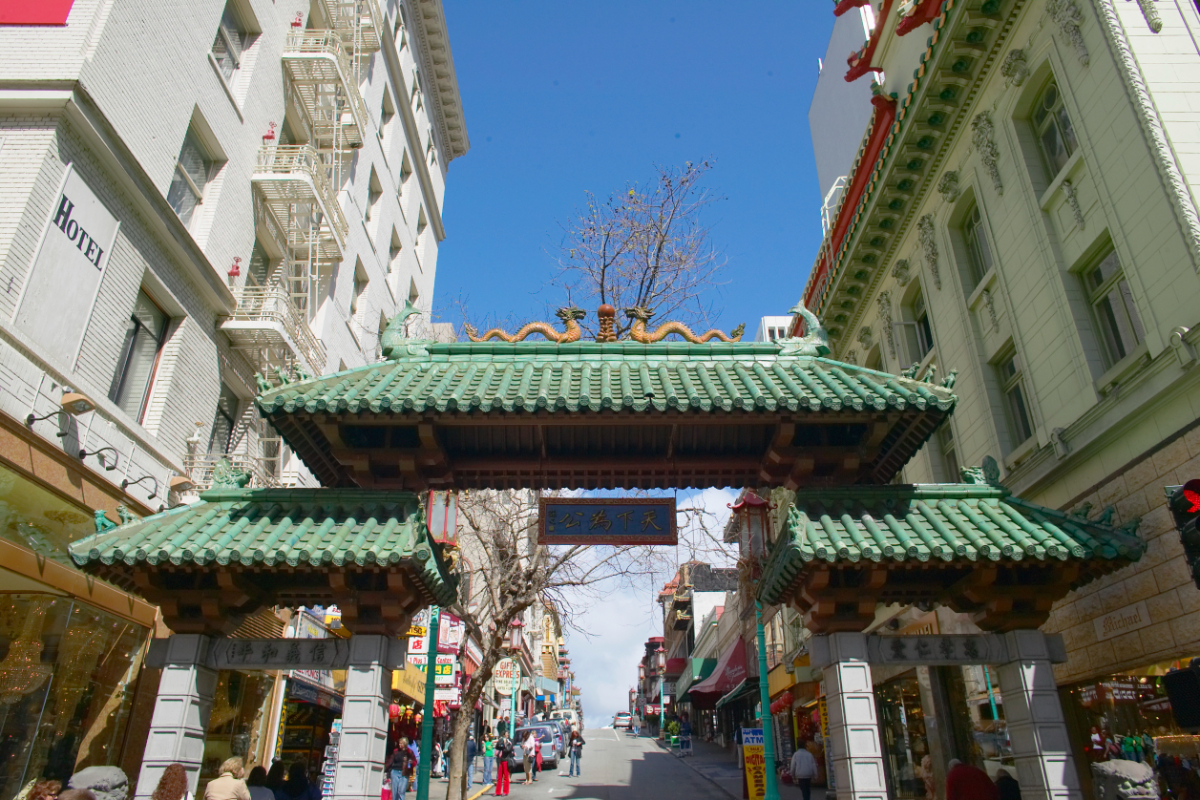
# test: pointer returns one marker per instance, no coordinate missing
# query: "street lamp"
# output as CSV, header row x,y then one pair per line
x,y
755,514
516,644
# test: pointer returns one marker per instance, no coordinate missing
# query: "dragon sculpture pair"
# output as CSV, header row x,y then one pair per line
x,y
573,332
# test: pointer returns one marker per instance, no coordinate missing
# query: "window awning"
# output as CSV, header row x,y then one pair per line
x,y
729,672
675,666
697,670
746,687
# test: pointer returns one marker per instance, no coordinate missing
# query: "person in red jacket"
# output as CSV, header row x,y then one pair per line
x,y
968,782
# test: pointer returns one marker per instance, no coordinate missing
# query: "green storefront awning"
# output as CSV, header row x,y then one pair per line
x,y
696,670
746,687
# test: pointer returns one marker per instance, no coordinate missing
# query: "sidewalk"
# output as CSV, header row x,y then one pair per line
x,y
720,766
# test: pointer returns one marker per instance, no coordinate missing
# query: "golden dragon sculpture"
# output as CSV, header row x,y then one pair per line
x,y
567,315
641,316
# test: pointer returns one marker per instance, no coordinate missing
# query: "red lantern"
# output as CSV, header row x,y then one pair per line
x,y
394,712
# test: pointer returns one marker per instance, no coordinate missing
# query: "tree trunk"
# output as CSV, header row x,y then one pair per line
x,y
457,790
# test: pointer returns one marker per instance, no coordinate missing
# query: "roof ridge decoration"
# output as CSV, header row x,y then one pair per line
x,y
641,315
569,316
395,343
815,341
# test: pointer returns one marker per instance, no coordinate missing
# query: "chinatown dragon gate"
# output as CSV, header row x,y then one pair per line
x,y
645,413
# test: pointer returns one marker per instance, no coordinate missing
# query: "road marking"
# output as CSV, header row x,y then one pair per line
x,y
481,792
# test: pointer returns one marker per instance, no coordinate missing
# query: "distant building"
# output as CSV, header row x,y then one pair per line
x,y
772,328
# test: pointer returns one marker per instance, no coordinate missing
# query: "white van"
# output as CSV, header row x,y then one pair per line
x,y
570,715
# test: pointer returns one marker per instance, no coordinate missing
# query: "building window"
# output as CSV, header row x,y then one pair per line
x,y
358,300
224,422
405,170
979,254
387,113
394,249
1055,134
192,171
945,441
1013,388
231,41
919,332
145,334
422,224
374,192
1113,308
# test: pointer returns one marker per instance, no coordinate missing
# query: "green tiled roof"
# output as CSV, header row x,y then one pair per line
x,y
279,530
935,522
528,376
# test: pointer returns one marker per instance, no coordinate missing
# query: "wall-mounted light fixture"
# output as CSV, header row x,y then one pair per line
x,y
125,484
100,455
181,484
73,403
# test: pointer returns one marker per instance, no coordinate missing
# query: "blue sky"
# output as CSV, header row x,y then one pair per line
x,y
562,97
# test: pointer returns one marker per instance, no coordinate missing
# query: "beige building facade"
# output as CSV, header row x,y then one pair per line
x,y
1022,221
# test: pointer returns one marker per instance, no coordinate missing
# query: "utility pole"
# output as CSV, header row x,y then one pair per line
x,y
764,698
424,776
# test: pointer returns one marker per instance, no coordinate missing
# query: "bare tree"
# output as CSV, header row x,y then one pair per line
x,y
506,572
647,249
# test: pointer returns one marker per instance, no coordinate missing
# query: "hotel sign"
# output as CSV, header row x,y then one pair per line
x,y
56,301
1123,620
618,520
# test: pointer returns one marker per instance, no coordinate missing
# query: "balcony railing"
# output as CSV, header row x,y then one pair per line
x,y
269,312
319,58
361,17
263,470
299,164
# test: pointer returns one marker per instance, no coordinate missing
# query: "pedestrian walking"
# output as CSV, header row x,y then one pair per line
x,y
968,782
504,755
575,749
275,778
1007,785
528,745
637,723
297,785
489,751
685,737
804,769
256,782
229,784
469,755
400,768
173,785
502,726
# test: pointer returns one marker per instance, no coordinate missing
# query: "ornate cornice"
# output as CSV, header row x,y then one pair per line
x,y
966,44
429,26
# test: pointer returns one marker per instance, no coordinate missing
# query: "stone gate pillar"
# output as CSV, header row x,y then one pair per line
x,y
363,744
1036,728
853,723
181,711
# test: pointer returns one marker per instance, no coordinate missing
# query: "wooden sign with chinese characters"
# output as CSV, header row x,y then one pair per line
x,y
618,520
940,650
281,654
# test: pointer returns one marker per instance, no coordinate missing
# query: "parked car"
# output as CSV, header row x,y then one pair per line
x,y
560,734
623,719
564,733
550,752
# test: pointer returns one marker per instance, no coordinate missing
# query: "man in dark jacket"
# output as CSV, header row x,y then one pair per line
x,y
1007,785
469,755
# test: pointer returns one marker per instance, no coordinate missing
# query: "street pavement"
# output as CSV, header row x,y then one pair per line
x,y
616,766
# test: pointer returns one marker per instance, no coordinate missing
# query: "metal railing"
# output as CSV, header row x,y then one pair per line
x,y
328,43
286,160
273,305
263,470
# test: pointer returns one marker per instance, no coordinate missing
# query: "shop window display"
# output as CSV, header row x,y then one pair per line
x,y
1128,716
905,745
67,674
240,708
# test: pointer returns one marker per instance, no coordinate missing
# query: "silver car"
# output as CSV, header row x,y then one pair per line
x,y
548,743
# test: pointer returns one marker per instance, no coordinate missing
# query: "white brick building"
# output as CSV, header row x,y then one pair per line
x,y
192,193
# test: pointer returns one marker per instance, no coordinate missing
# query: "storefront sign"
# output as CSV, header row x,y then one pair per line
x,y
305,692
754,757
443,669
452,695
504,676
1123,620
410,683
578,520
56,301
416,630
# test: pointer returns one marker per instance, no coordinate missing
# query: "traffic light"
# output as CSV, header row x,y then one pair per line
x,y
1185,507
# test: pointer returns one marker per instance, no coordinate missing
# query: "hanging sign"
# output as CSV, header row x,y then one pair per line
x,y
77,240
596,520
504,676
755,759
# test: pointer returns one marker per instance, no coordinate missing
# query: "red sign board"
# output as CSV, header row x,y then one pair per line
x,y
35,12
615,520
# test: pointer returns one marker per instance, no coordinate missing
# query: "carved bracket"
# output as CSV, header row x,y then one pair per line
x,y
885,314
984,140
929,245
900,271
865,337
851,356
948,186
1150,12
1067,17
1015,68
990,302
1073,201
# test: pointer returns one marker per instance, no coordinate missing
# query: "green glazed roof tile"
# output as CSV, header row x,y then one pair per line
x,y
530,376
935,522
255,528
